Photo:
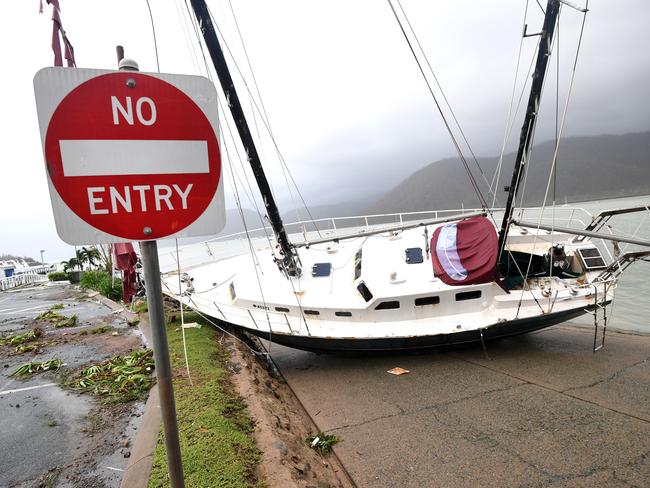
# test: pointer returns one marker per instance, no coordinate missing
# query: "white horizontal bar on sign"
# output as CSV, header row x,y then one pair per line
x,y
100,157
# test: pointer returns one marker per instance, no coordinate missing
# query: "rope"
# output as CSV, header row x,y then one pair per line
x,y
180,292
475,187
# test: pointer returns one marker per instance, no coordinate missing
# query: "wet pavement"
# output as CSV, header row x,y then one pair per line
x,y
49,432
542,410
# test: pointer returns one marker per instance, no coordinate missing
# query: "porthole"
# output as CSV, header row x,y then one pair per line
x,y
468,295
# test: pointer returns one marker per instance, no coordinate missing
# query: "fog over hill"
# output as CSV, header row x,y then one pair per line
x,y
588,168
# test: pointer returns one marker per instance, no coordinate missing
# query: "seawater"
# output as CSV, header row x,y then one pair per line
x,y
631,307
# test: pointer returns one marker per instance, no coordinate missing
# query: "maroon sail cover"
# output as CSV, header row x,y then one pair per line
x,y
125,259
465,252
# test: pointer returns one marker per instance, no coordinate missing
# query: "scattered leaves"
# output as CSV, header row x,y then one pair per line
x,y
14,340
119,379
322,443
23,348
34,367
57,319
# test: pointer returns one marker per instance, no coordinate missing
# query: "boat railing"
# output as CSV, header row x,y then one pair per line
x,y
331,226
302,231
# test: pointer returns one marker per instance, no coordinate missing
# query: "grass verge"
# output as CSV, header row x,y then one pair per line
x,y
215,430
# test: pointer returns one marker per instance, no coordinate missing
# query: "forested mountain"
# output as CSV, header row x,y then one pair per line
x,y
588,168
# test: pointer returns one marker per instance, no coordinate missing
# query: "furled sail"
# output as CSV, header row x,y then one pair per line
x,y
465,252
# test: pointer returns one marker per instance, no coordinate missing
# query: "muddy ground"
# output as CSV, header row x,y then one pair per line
x,y
53,436
281,425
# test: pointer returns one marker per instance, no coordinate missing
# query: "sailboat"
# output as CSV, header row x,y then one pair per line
x,y
418,284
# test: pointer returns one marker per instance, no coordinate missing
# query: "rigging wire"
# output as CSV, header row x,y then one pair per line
x,y
265,121
256,262
186,34
475,187
444,96
155,42
510,118
264,114
561,130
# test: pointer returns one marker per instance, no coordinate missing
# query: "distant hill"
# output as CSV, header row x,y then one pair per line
x,y
27,259
588,168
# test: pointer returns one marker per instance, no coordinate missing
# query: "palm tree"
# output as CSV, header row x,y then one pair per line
x,y
70,264
91,255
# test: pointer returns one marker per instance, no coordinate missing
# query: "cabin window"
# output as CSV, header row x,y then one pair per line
x,y
321,269
364,291
357,266
468,295
389,305
311,312
422,301
282,309
414,255
343,313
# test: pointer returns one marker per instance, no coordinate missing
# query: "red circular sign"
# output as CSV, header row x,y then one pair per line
x,y
133,156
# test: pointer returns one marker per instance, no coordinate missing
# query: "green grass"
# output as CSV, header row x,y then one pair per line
x,y
215,430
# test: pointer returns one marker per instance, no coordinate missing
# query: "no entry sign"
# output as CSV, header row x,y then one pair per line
x,y
129,155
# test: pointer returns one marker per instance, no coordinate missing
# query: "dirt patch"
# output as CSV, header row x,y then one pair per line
x,y
281,427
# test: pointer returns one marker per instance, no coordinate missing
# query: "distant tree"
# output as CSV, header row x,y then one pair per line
x,y
106,258
91,255
71,264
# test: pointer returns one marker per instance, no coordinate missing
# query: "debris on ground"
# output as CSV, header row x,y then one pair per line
x,y
57,319
118,379
23,348
34,367
398,371
322,443
16,339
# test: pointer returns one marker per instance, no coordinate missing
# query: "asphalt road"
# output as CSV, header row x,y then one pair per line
x,y
542,410
44,427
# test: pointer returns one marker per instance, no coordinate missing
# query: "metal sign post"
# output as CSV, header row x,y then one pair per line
x,y
161,355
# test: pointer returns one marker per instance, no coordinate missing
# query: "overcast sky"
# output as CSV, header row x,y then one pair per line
x,y
346,102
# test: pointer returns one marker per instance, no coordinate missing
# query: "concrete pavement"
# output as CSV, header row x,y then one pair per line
x,y
543,410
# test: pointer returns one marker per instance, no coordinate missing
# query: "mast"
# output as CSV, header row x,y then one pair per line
x,y
528,129
288,262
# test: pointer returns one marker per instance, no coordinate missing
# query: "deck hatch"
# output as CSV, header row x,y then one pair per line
x,y
321,269
591,258
414,255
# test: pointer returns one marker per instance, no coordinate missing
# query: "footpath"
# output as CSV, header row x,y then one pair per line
x,y
541,410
